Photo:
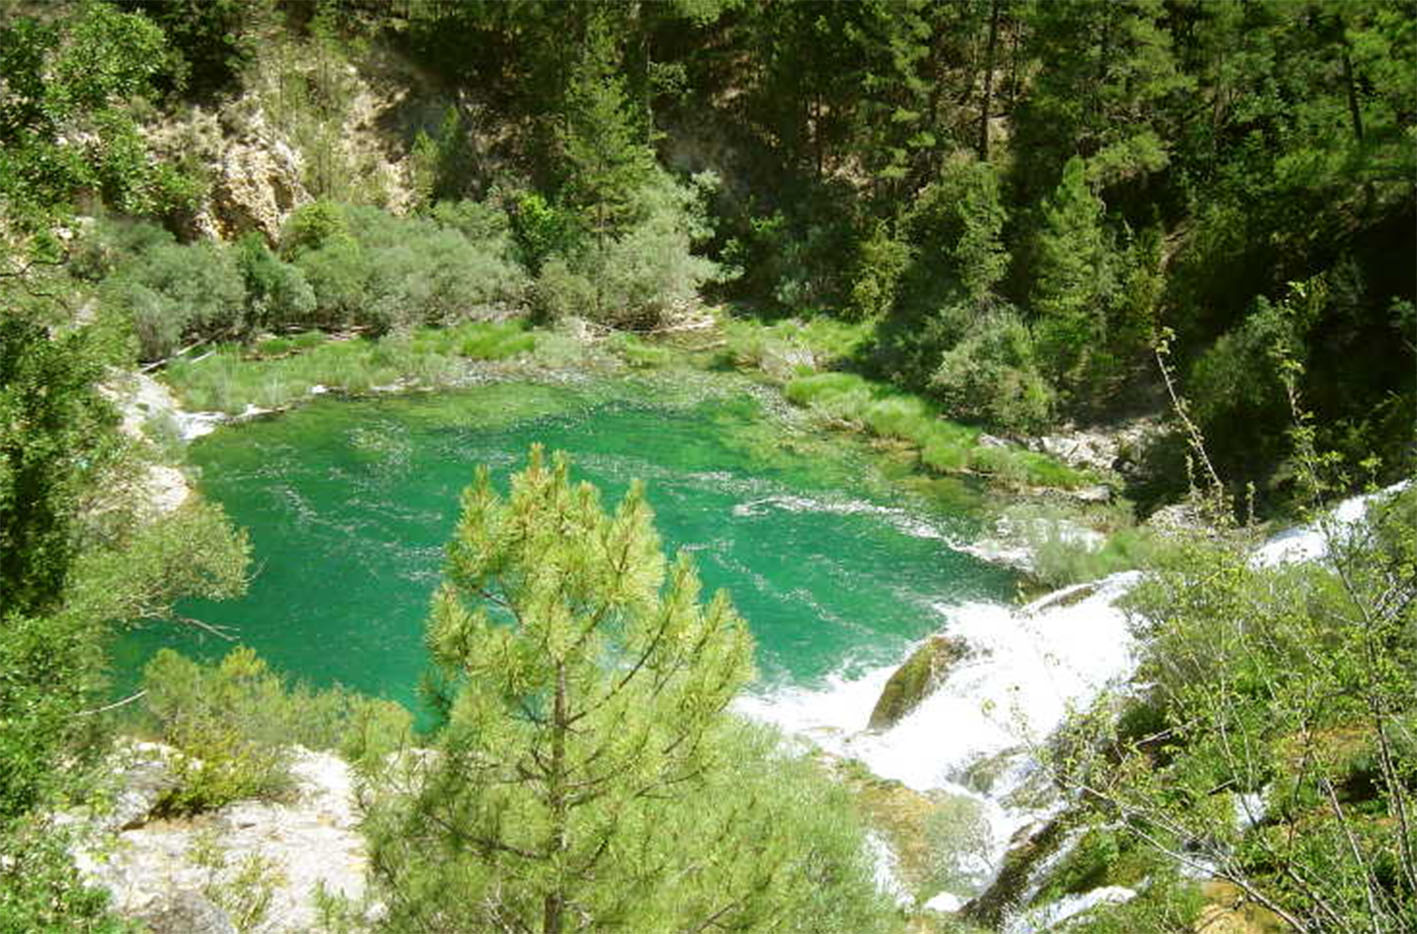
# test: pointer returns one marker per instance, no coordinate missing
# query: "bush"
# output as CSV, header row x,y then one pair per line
x,y
637,278
277,293
991,376
395,273
313,226
177,292
233,725
560,292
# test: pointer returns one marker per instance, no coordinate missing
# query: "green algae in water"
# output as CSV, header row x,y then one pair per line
x,y
349,504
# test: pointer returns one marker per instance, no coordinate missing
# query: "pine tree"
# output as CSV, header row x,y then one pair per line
x,y
604,157
587,775
1071,274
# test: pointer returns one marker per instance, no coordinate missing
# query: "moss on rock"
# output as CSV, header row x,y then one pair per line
x,y
913,681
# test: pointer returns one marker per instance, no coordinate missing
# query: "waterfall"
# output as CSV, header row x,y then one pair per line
x,y
1032,666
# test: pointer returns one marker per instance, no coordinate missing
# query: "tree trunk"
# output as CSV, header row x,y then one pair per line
x,y
987,103
1353,112
553,906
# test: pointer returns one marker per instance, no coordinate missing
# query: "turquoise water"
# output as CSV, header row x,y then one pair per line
x,y
349,503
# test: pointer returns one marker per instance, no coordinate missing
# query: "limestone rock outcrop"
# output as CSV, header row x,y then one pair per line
x,y
206,872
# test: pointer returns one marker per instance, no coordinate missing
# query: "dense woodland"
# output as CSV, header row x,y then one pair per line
x,y
1024,213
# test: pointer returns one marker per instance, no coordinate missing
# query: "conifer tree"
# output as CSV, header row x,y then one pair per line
x,y
1072,275
605,159
587,775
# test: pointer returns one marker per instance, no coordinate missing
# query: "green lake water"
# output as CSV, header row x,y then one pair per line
x,y
833,553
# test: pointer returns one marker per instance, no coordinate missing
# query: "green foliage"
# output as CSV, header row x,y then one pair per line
x,y
276,292
957,224
992,376
777,347
1060,559
246,897
41,892
284,371
1288,685
541,229
233,724
393,273
313,226
192,551
55,438
175,293
1073,276
442,163
637,277
641,354
586,755
880,262
604,156
213,39
67,122
945,446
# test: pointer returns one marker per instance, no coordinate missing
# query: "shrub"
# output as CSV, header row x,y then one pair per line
x,y
880,262
493,340
636,278
395,273
277,293
561,292
990,376
339,275
313,226
177,292
233,724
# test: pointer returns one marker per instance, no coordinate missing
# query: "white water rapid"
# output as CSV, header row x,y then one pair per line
x,y
1030,668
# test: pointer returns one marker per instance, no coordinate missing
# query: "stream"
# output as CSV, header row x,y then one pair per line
x,y
840,556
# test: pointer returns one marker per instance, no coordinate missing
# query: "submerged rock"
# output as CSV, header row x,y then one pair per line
x,y
923,671
1228,911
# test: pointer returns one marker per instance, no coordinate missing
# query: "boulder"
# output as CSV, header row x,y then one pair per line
x,y
187,912
169,873
913,681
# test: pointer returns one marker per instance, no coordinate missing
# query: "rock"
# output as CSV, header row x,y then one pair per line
x,y
1028,850
927,841
143,772
149,412
1112,448
187,912
913,681
257,186
991,441
1093,494
309,842
786,361
1178,519
1228,911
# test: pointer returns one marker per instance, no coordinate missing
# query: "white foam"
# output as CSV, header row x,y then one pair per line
x,y
900,519
1031,667
1048,917
1310,542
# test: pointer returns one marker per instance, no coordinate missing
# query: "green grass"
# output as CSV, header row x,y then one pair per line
x,y
477,340
749,343
279,371
643,355
945,446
